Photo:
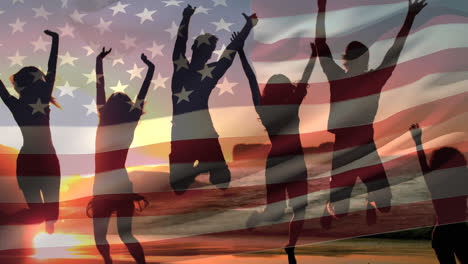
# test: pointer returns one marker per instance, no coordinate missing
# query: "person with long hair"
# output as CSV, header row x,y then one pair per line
x,y
354,101
286,172
37,167
112,189
446,177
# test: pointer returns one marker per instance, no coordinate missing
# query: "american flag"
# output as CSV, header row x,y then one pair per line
x,y
428,86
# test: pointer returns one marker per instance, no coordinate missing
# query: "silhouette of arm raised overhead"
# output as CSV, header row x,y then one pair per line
x,y
100,84
228,55
182,33
52,65
303,83
330,67
249,73
391,58
416,133
147,82
6,96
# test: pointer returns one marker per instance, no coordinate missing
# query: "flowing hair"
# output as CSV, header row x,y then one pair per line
x,y
116,110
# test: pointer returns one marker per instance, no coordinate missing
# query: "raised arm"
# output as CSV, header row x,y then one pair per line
x,y
329,66
182,33
100,84
391,58
52,64
250,76
236,44
416,133
310,65
6,97
146,83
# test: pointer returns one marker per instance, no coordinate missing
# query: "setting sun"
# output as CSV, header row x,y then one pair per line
x,y
57,245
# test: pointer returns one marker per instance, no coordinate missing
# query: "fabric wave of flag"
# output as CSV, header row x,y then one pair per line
x,y
428,86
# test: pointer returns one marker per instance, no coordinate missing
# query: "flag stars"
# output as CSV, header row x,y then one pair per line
x,y
39,107
40,44
77,16
202,10
172,3
203,39
226,87
135,72
41,12
119,87
137,105
67,89
37,76
183,95
181,63
128,42
90,48
91,108
17,59
17,26
173,30
206,72
221,24
67,30
90,76
117,58
227,54
118,8
156,49
219,2
103,26
67,59
160,82
146,15
64,3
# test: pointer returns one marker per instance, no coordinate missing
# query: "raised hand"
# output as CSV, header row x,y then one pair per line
x,y
251,20
146,61
235,36
104,53
416,6
51,33
189,11
416,133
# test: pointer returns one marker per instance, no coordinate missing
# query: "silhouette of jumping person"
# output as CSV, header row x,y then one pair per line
x,y
195,147
37,167
446,178
355,142
286,172
112,189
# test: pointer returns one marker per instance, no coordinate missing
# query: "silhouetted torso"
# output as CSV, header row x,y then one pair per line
x,y
282,123
112,144
354,100
35,128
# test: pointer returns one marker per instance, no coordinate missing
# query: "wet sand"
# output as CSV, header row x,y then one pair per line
x,y
350,251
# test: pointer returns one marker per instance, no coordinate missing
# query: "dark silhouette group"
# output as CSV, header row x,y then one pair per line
x,y
195,147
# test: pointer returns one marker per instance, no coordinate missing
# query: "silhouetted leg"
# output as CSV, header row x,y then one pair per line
x,y
50,191
461,243
101,216
297,193
124,227
32,195
219,171
295,229
375,179
441,239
